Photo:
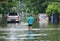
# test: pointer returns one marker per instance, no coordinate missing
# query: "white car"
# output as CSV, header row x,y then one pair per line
x,y
13,17
43,20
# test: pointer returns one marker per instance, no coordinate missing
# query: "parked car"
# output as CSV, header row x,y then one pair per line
x,y
43,20
13,17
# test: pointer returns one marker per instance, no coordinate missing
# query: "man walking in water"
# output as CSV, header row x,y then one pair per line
x,y
30,22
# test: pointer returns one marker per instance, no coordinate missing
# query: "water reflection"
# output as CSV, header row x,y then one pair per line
x,y
30,35
52,35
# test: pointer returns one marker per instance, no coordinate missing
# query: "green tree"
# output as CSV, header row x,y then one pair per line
x,y
6,5
37,6
53,8
33,6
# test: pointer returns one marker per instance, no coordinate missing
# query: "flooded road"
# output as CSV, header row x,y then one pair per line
x,y
20,32
12,32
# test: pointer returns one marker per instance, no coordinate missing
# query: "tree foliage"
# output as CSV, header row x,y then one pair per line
x,y
53,8
37,6
33,6
6,5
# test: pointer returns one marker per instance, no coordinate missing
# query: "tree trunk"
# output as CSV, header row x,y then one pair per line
x,y
2,15
49,17
57,16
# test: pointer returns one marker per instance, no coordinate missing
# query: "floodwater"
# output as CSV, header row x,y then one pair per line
x,y
20,32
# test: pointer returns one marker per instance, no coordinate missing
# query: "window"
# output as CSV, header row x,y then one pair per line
x,y
12,14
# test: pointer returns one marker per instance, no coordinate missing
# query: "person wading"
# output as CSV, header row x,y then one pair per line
x,y
30,22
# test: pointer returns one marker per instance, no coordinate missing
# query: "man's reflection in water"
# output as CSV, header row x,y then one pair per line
x,y
30,36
